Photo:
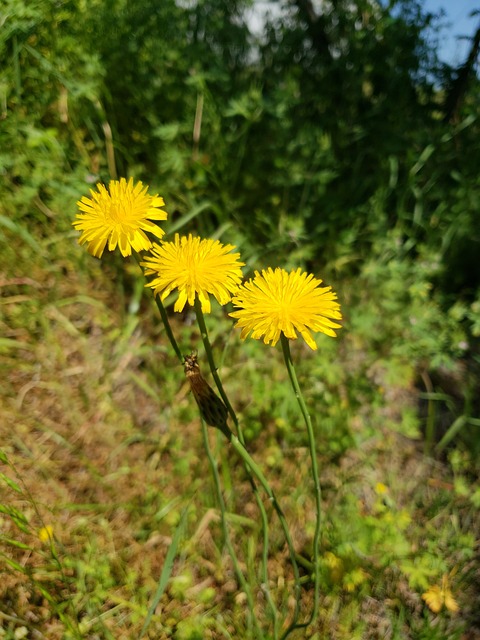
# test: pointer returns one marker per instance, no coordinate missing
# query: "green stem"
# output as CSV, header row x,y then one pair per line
x,y
257,472
16,69
228,434
226,537
168,328
163,315
313,456
261,506
209,353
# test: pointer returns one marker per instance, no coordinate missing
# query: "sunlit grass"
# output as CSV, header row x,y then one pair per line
x,y
102,449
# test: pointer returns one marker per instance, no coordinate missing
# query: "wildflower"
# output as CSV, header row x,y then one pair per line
x,y
438,597
335,565
381,489
276,302
45,534
119,215
196,268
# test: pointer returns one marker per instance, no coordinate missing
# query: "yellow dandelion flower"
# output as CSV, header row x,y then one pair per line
x,y
438,597
335,564
45,534
194,267
276,302
119,215
381,489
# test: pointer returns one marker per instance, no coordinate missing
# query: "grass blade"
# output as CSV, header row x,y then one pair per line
x,y
166,571
452,431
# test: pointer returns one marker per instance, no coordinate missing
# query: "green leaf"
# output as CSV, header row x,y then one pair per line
x,y
22,233
16,543
452,431
166,571
11,483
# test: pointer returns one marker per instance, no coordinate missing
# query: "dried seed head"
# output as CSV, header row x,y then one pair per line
x,y
212,409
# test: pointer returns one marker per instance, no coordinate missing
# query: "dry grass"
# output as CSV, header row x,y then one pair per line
x,y
102,440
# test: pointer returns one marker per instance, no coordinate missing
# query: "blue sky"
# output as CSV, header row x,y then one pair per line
x,y
452,50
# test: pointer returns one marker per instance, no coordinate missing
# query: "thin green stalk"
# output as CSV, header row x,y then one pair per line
x,y
251,467
261,506
16,69
176,348
257,472
313,455
208,350
226,537
164,317
430,425
168,328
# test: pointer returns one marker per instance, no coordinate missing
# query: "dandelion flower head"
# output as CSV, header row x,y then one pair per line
x,y
119,215
277,301
45,534
194,267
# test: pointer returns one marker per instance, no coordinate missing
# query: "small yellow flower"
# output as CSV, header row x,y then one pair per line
x,y
335,564
194,267
119,215
381,489
276,302
45,534
438,597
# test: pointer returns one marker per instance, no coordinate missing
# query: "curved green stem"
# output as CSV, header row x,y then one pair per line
x,y
164,317
313,456
257,472
209,353
226,537
168,329
238,444
261,506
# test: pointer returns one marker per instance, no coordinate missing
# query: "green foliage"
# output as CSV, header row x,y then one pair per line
x,y
322,145
188,99
49,86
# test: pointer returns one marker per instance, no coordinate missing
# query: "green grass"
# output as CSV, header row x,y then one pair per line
x,y
101,440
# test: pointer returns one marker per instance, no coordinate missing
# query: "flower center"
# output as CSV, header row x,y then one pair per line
x,y
117,212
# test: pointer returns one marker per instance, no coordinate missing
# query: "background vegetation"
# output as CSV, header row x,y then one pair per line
x,y
332,139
